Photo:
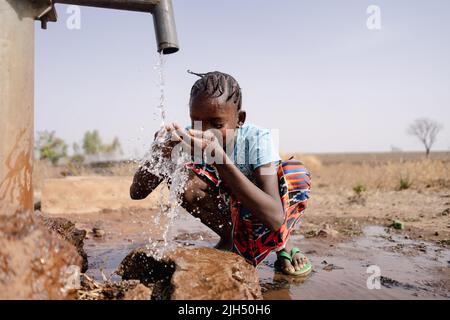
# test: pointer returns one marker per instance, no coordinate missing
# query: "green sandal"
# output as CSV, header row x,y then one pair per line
x,y
304,271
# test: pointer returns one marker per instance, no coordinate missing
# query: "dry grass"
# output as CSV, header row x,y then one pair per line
x,y
422,174
313,163
378,172
382,171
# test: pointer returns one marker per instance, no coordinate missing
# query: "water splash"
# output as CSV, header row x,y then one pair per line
x,y
174,173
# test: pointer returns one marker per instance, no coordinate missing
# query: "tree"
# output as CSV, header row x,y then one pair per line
x,y
115,146
50,147
426,130
93,145
77,157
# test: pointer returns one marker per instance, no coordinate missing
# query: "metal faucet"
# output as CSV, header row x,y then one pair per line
x,y
162,11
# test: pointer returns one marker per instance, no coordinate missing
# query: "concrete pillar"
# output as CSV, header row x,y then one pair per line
x,y
16,105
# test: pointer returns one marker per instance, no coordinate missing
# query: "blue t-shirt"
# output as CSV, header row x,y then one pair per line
x,y
253,148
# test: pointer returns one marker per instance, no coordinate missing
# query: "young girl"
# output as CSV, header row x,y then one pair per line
x,y
244,192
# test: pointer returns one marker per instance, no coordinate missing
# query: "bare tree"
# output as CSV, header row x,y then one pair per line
x,y
426,130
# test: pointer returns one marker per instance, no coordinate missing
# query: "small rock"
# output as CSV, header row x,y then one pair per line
x,y
446,212
436,233
37,205
327,231
330,267
311,234
398,225
140,292
98,233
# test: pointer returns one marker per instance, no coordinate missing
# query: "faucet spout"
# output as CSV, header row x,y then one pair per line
x,y
165,30
162,11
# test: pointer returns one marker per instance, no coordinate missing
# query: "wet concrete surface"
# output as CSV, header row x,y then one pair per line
x,y
408,269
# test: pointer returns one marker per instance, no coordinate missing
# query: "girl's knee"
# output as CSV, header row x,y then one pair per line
x,y
195,190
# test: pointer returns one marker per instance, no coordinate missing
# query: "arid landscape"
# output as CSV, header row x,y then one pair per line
x,y
388,210
91,89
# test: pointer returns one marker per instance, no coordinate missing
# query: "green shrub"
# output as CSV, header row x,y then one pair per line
x,y
359,189
404,183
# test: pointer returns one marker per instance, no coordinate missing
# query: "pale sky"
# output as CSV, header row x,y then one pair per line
x,y
311,69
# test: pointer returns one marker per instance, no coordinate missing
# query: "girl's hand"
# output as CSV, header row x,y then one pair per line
x,y
165,141
201,145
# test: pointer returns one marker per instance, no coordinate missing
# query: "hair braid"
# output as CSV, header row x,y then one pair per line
x,y
215,84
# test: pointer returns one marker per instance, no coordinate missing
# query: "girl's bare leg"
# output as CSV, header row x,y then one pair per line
x,y
201,200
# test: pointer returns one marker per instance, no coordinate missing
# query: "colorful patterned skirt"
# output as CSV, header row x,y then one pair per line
x,y
251,238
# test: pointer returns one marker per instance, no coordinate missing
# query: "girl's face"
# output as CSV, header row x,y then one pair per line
x,y
216,113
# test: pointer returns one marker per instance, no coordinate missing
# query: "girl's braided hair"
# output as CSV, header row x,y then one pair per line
x,y
215,84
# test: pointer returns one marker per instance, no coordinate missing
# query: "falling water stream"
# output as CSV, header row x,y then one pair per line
x,y
170,168
159,67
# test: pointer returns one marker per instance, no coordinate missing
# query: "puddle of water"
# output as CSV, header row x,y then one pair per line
x,y
415,274
104,260
417,269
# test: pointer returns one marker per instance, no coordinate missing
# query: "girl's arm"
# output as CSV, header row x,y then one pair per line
x,y
143,183
263,199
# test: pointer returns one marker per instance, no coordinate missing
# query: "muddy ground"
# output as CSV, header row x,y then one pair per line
x,y
413,263
347,234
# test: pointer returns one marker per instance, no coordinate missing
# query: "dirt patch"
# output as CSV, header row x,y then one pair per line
x,y
421,212
122,290
66,230
87,194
